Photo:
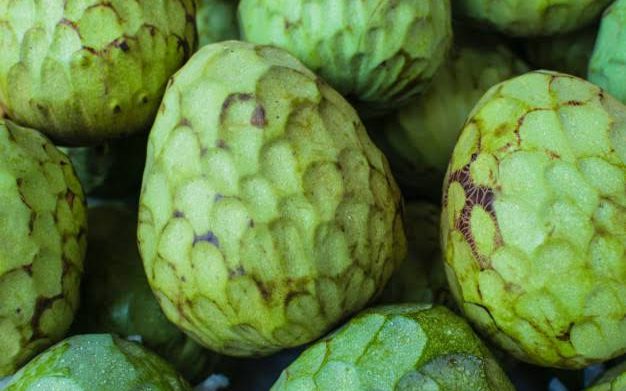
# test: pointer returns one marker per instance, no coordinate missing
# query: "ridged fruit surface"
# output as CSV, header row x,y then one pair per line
x,y
216,21
613,380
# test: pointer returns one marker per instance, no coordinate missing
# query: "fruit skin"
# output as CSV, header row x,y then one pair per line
x,y
534,220
608,62
266,213
43,234
117,298
216,21
421,278
418,138
613,380
83,71
366,50
530,18
569,53
97,362
398,347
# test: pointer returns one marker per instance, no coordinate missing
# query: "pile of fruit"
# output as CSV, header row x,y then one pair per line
x,y
312,195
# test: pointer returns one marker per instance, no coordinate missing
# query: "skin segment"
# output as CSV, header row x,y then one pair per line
x,y
365,49
607,67
97,362
83,71
267,215
44,231
216,21
397,347
534,220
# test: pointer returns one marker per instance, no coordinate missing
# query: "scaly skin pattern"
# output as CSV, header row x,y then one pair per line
x,y
267,215
43,232
396,348
82,71
534,220
97,362
216,21
116,297
613,380
366,49
608,62
531,18
419,138
421,278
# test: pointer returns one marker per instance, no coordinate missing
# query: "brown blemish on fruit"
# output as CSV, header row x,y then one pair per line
x,y
69,197
42,304
258,117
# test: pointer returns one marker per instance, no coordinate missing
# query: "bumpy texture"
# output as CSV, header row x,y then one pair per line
x,y
42,231
419,138
421,277
608,63
110,170
527,18
534,220
613,380
569,53
267,215
85,70
216,21
97,362
401,347
117,298
366,49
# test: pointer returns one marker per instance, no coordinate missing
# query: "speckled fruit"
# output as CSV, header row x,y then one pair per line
x,y
42,231
613,380
608,63
534,220
267,215
401,347
216,21
527,18
419,138
82,71
97,362
117,298
367,49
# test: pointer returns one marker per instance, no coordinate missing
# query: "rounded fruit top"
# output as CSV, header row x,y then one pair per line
x,y
97,362
43,239
534,220
83,71
378,52
397,347
267,215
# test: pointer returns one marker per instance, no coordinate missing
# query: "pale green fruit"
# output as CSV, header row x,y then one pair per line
x,y
216,21
418,139
82,71
528,18
376,52
534,220
613,380
397,348
569,53
267,215
42,231
608,63
117,298
97,362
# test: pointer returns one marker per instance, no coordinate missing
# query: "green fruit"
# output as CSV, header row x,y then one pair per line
x,y
42,230
216,21
112,169
87,70
400,347
613,380
419,138
267,215
529,18
117,298
569,53
97,362
608,62
367,49
421,277
534,220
